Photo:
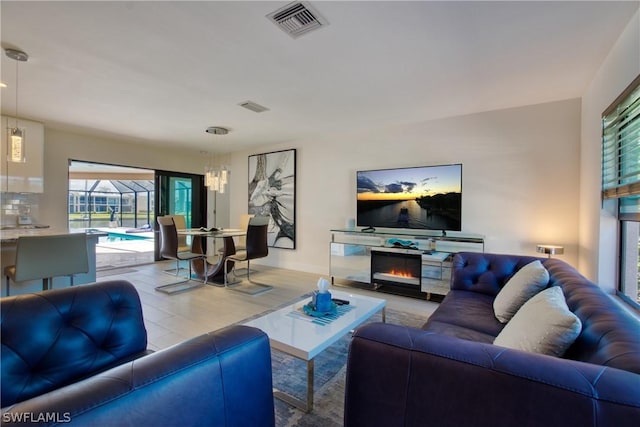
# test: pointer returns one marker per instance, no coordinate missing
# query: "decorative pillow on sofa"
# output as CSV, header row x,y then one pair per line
x,y
544,325
528,281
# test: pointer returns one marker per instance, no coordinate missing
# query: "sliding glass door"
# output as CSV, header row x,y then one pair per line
x,y
180,194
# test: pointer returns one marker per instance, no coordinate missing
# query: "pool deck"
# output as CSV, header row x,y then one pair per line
x,y
120,253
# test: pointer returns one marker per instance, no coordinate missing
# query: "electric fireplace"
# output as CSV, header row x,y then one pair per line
x,y
399,269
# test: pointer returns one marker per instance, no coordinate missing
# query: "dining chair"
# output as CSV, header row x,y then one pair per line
x,y
181,224
244,225
256,247
183,244
170,248
241,244
46,257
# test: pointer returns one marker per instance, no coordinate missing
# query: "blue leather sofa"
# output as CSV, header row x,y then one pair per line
x,y
450,374
77,356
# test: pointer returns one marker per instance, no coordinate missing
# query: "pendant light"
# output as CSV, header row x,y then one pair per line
x,y
216,176
16,135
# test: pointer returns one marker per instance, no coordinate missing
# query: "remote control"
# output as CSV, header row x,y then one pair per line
x,y
340,301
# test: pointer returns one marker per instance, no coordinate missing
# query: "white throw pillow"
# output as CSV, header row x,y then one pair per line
x,y
544,325
528,281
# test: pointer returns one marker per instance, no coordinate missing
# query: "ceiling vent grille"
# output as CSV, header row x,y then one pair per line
x,y
297,19
217,130
256,108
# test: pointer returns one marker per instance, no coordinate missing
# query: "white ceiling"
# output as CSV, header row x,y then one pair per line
x,y
162,72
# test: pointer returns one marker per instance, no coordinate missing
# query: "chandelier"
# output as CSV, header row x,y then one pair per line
x,y
216,177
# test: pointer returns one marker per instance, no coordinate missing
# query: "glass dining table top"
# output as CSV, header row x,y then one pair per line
x,y
222,232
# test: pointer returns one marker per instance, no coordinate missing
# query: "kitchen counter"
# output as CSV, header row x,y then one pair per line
x,y
11,234
8,243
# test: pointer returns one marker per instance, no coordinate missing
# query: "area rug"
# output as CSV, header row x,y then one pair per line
x,y
289,374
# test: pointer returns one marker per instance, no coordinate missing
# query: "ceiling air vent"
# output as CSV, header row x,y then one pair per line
x,y
217,130
297,19
250,105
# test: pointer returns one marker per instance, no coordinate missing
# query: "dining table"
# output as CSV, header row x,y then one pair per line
x,y
213,272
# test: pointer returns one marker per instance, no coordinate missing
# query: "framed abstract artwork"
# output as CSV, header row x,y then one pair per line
x,y
272,192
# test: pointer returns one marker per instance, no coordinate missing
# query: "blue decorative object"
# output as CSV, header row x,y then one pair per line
x,y
311,311
407,244
321,301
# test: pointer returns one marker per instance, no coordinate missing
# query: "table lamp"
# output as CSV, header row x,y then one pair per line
x,y
550,250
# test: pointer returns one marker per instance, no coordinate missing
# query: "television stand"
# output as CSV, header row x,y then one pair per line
x,y
351,250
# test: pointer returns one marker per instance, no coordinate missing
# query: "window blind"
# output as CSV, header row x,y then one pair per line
x,y
621,145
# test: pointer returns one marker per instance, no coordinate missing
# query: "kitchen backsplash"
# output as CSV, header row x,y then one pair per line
x,y
14,204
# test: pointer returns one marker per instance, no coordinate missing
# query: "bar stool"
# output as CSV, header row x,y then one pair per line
x,y
46,257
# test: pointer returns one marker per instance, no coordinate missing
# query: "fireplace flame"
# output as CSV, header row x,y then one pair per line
x,y
400,273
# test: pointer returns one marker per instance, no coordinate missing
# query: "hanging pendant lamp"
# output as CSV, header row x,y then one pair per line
x,y
216,176
16,135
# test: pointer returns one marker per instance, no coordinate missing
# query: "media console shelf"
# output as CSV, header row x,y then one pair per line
x,y
386,260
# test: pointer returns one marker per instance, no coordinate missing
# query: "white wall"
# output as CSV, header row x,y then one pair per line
x,y
520,178
60,146
598,226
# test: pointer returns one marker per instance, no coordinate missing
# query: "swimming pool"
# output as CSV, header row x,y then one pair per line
x,y
118,237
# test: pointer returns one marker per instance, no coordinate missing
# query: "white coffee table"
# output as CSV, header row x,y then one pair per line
x,y
304,337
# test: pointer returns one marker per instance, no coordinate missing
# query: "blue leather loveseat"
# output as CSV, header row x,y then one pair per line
x,y
449,373
77,356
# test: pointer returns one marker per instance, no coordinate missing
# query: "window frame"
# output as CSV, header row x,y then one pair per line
x,y
622,261
615,158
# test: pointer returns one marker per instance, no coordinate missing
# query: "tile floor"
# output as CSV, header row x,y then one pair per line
x,y
174,318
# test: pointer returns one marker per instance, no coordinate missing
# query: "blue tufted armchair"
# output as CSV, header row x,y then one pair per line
x,y
78,356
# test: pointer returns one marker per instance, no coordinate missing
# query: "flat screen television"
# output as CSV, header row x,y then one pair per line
x,y
425,197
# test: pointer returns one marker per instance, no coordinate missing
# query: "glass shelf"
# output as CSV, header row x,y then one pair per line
x,y
417,234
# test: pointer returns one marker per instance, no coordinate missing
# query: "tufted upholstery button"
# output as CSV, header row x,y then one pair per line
x,y
483,272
